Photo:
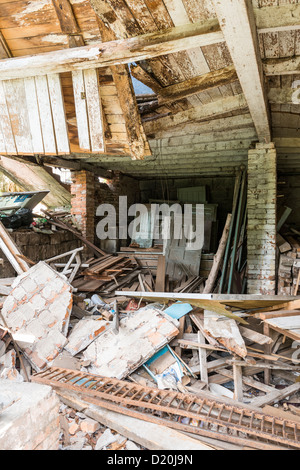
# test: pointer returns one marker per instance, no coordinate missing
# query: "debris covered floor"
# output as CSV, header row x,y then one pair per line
x,y
142,339
218,371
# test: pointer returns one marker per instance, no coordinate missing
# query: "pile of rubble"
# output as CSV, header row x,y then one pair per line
x,y
187,363
78,432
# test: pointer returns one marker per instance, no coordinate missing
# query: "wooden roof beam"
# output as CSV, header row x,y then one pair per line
x,y
68,22
187,88
106,54
4,49
201,113
197,84
277,18
127,99
283,66
237,22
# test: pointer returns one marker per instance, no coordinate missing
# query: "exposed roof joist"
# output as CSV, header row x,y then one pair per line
x,y
106,54
277,18
282,66
237,21
207,111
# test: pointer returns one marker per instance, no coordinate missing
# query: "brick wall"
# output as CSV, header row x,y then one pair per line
x,y
39,246
262,195
83,202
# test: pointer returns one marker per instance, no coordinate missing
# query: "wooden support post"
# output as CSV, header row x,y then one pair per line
x,y
238,383
267,350
180,335
218,258
237,21
160,274
202,359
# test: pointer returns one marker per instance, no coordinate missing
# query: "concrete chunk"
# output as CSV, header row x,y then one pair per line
x,y
84,333
141,334
31,422
39,307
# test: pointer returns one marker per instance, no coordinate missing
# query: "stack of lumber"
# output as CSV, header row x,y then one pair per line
x,y
146,257
107,274
288,265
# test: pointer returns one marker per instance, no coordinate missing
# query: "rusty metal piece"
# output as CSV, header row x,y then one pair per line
x,y
203,415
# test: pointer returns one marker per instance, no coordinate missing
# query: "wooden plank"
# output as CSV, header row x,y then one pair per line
x,y
288,326
247,381
68,22
81,110
278,314
275,396
282,244
11,251
94,108
58,114
18,112
202,359
160,274
238,383
6,124
34,116
128,103
123,51
218,258
237,22
203,112
282,66
198,84
254,336
45,114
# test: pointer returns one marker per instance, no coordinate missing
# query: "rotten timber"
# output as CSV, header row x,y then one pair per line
x,y
123,51
238,25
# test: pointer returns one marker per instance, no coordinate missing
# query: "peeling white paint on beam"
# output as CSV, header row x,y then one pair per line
x,y
32,7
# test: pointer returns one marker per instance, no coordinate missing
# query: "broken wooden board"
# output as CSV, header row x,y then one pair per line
x,y
217,303
141,334
225,331
11,251
289,326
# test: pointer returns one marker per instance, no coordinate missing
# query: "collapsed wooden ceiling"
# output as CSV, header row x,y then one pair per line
x,y
224,75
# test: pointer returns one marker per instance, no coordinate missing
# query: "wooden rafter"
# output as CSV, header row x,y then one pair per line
x,y
68,22
237,21
112,53
126,95
282,66
5,52
208,111
198,84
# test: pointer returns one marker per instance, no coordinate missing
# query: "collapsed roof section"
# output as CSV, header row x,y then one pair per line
x,y
222,75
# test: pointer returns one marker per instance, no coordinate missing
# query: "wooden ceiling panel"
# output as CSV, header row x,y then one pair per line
x,y
36,26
